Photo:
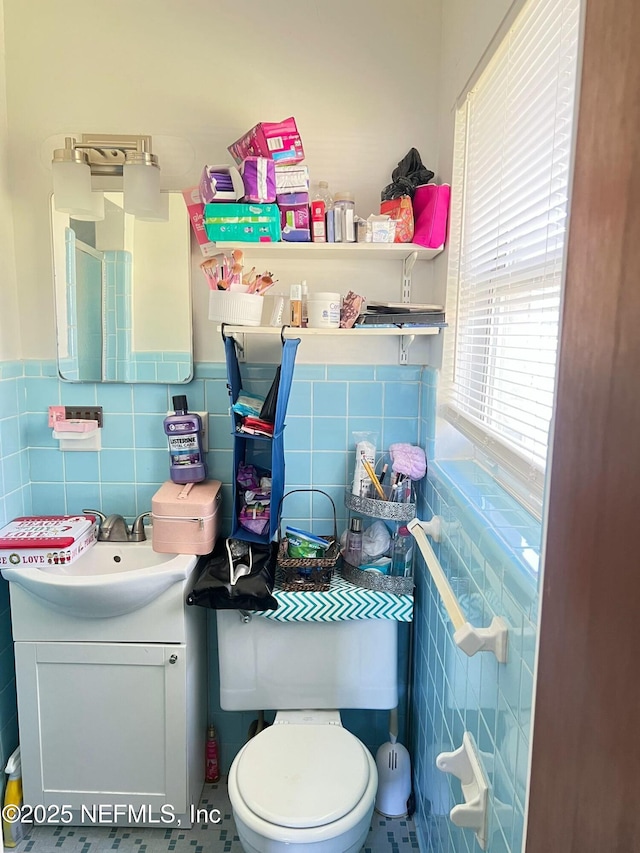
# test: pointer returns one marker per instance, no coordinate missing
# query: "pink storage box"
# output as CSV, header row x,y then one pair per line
x,y
430,211
279,141
186,518
46,540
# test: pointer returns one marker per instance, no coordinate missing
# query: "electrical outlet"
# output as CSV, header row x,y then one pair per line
x,y
86,413
204,417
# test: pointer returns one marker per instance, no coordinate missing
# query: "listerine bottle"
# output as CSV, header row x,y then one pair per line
x,y
184,431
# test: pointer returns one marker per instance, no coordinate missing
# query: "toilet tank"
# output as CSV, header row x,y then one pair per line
x,y
270,665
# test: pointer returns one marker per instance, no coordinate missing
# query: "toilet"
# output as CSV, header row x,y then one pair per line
x,y
304,783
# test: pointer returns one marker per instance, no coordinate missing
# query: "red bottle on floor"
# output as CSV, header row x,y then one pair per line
x,y
212,762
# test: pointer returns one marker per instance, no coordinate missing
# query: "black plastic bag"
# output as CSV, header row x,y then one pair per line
x,y
252,568
268,410
408,174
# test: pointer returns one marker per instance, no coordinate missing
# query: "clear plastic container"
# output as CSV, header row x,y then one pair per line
x,y
353,552
344,206
323,194
402,554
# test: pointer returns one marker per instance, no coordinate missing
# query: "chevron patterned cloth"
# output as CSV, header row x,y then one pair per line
x,y
343,601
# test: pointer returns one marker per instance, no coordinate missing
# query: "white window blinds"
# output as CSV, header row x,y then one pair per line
x,y
508,220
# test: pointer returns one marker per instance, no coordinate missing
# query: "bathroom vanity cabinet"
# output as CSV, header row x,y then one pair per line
x,y
112,712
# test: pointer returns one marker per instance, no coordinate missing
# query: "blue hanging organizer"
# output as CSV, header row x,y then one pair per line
x,y
266,453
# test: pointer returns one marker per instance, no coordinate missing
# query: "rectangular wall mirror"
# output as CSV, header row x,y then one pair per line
x,y
123,295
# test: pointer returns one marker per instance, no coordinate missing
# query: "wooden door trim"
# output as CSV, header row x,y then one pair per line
x,y
585,775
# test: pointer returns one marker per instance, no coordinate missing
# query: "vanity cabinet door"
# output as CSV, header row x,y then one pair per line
x,y
103,723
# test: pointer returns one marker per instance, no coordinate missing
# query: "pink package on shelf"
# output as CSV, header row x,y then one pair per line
x,y
259,178
195,209
294,217
430,211
279,141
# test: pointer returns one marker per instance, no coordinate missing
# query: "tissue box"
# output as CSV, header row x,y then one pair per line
x,y
186,518
292,179
220,183
247,223
279,141
294,217
259,179
46,540
195,209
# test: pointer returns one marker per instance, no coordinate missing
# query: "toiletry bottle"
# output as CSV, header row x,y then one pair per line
x,y
212,763
296,305
184,431
402,554
353,552
12,830
305,304
321,204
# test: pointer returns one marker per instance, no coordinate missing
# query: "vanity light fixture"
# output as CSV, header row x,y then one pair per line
x,y
108,155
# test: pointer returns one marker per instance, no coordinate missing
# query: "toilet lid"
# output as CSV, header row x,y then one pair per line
x,y
302,775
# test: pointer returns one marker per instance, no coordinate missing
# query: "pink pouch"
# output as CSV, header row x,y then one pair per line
x,y
430,211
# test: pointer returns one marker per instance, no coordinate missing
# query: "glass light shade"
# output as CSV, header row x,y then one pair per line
x,y
141,189
97,212
72,188
159,215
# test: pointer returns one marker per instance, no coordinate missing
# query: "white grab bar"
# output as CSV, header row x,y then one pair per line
x,y
466,637
465,764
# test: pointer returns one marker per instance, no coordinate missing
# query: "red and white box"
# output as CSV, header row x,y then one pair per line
x,y
195,208
46,539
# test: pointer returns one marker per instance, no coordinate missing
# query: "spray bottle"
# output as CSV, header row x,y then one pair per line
x,y
184,431
212,761
12,829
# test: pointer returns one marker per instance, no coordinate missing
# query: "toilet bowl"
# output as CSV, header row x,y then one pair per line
x,y
305,783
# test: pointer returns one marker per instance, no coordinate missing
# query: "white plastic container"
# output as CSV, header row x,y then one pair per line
x,y
324,310
237,309
344,206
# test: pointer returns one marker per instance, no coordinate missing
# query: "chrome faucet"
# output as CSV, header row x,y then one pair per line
x,y
113,528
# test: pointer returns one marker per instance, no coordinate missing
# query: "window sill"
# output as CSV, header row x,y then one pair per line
x,y
508,536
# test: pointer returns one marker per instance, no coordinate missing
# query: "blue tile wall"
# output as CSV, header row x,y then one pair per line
x,y
327,404
15,499
489,550
160,366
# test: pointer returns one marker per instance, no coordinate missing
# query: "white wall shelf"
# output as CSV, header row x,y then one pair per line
x,y
294,332
333,251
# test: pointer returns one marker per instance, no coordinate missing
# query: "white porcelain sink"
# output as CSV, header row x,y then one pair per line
x,y
110,579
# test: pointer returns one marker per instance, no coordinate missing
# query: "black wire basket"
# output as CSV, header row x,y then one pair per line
x,y
307,574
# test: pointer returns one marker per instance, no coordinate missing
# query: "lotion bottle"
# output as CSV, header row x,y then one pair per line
x,y
353,554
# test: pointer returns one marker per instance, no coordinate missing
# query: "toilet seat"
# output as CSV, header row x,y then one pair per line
x,y
302,776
